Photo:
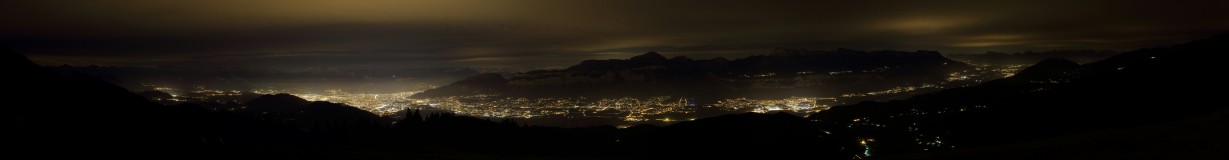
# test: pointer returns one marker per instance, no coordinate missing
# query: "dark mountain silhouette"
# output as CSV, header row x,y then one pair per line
x,y
332,116
159,97
74,103
485,83
74,112
155,95
276,103
1052,98
1030,57
1048,71
649,58
187,76
312,116
786,72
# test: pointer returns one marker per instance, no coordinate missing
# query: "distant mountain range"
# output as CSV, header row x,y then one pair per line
x,y
785,72
1030,57
378,80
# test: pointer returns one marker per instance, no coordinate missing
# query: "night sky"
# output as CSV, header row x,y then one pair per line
x,y
540,33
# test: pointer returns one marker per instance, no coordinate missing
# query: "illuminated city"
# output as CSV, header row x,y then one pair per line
x,y
626,109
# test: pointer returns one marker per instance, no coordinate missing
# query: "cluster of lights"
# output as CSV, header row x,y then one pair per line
x,y
894,90
795,104
381,104
626,108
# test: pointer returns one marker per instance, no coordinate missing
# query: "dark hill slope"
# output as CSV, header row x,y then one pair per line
x,y
1052,98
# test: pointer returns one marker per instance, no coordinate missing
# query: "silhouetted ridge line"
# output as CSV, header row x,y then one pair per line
x,y
1051,98
785,71
1031,57
1049,71
276,103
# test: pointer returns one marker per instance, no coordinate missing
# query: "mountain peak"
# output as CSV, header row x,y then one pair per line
x,y
650,58
276,103
12,59
474,84
17,64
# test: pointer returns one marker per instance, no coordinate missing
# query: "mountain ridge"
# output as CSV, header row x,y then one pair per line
x,y
807,72
1052,98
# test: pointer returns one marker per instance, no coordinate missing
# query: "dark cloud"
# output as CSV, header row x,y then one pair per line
x,y
500,33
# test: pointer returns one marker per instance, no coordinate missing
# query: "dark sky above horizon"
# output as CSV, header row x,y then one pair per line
x,y
537,33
